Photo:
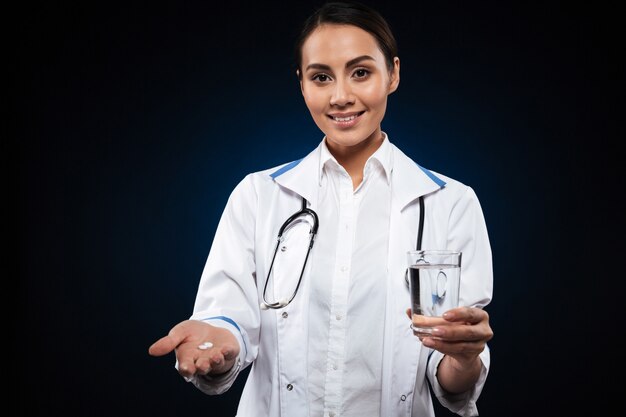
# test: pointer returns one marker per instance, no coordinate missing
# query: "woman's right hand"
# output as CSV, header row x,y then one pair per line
x,y
186,338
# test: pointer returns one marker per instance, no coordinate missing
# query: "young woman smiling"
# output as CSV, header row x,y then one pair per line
x,y
321,313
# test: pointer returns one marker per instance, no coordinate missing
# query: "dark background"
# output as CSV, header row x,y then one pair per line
x,y
134,122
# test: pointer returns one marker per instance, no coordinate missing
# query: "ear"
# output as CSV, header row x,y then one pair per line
x,y
300,80
394,76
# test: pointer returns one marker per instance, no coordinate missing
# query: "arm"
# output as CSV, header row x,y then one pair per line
x,y
461,340
226,311
459,363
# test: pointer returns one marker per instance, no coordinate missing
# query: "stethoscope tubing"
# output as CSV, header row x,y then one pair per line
x,y
304,211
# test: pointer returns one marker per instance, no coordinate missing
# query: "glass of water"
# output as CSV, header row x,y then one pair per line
x,y
434,280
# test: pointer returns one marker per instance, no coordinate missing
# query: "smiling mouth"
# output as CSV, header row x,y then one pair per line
x,y
347,118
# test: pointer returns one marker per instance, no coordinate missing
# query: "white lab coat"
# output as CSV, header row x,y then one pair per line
x,y
275,341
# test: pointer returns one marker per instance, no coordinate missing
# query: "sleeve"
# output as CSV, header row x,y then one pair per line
x,y
467,232
227,295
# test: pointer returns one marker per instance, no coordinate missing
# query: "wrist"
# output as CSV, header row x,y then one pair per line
x,y
462,363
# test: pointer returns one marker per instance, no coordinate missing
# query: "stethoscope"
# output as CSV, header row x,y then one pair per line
x,y
298,217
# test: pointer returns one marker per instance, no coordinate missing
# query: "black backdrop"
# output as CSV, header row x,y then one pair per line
x,y
135,121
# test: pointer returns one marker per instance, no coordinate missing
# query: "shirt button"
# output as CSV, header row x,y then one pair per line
x,y
344,268
285,315
335,367
289,387
331,414
403,397
338,317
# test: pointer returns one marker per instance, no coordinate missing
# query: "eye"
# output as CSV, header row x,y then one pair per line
x,y
361,73
322,78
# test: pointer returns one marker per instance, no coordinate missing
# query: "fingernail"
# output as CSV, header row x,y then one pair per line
x,y
438,332
428,342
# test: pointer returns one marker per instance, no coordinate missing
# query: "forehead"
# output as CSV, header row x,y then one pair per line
x,y
339,43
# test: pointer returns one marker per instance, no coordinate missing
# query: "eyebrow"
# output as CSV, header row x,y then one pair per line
x,y
350,63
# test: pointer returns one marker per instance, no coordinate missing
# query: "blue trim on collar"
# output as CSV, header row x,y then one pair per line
x,y
441,183
285,168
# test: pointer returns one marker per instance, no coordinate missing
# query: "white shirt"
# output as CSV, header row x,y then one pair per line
x,y
348,292
276,342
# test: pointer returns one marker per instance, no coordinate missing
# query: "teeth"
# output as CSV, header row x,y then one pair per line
x,y
344,119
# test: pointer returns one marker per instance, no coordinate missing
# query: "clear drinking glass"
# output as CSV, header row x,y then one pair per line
x,y
434,282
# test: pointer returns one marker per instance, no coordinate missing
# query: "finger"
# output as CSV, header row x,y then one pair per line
x,y
228,352
454,348
213,362
426,322
203,365
471,315
408,312
217,360
187,355
462,333
186,366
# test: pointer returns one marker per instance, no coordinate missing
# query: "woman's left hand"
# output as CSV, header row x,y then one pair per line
x,y
461,333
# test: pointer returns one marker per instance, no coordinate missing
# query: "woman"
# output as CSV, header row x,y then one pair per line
x,y
336,338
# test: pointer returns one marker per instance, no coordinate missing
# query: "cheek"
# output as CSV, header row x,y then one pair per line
x,y
314,102
374,95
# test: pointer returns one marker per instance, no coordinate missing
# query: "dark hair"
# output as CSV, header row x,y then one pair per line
x,y
350,13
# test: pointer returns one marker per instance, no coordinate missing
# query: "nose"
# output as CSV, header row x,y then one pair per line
x,y
342,94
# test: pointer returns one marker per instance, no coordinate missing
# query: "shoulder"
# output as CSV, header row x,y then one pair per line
x,y
268,175
419,177
452,185
441,187
458,199
261,180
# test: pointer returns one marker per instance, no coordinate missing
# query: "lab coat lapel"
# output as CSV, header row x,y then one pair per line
x,y
410,181
402,350
302,178
296,179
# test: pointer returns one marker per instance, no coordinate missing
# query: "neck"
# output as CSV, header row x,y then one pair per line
x,y
353,158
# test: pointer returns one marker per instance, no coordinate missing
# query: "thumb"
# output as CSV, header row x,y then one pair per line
x,y
164,345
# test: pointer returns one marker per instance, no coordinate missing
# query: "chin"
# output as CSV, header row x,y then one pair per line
x,y
345,138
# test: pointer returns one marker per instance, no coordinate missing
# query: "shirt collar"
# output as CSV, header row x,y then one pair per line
x,y
383,155
408,179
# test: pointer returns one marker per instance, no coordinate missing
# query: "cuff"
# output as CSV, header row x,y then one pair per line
x,y
464,403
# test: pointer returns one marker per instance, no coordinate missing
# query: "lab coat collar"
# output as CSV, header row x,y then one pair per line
x,y
301,176
408,180
383,155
